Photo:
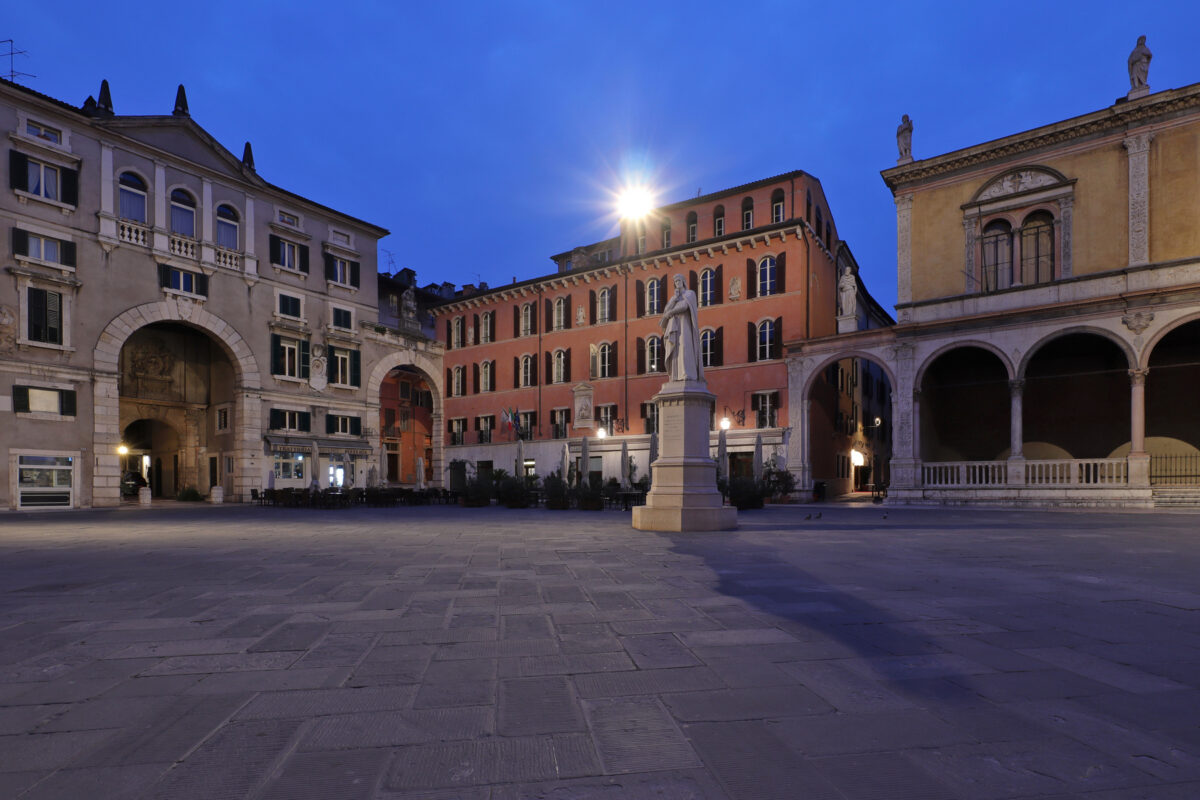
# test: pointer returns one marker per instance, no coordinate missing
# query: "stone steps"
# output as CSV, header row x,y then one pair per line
x,y
1176,497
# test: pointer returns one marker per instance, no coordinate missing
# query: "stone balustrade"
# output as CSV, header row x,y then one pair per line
x,y
181,246
133,233
965,473
1042,472
229,259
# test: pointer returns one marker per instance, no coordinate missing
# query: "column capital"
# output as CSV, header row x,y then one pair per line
x,y
1138,142
1137,377
1016,387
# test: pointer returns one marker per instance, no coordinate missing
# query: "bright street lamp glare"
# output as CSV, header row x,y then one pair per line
x,y
634,202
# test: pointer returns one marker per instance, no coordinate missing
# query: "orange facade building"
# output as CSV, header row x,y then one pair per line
x,y
565,355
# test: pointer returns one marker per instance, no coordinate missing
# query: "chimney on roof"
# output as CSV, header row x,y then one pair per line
x,y
89,106
181,108
407,276
104,106
247,156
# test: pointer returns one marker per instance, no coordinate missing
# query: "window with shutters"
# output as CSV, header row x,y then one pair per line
x,y
747,214
340,272
458,430
528,374
289,357
43,402
458,381
131,197
654,354
777,205
719,221
666,235
692,227
560,366
766,340
527,424
41,249
183,214
528,310
766,407
487,326
288,255
604,305
650,415
606,417
559,419
709,351
484,426
603,361
339,367
42,179
487,375
291,306
653,296
343,318
708,287
560,313
766,276
181,281
457,329
227,227
282,419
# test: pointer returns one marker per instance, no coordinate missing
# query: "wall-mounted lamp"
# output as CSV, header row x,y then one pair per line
x,y
739,415
122,450
725,423
600,434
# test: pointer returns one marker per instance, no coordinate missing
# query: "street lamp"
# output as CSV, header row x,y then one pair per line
x,y
725,423
122,450
600,434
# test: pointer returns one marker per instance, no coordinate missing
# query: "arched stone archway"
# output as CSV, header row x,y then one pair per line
x,y
106,488
429,368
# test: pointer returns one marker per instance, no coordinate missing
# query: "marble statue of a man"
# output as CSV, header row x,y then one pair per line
x,y
681,335
1139,65
847,292
904,138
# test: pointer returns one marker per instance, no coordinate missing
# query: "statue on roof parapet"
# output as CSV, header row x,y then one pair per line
x,y
904,140
1139,69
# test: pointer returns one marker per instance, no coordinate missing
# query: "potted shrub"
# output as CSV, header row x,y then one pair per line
x,y
512,492
780,483
745,493
477,493
554,488
590,496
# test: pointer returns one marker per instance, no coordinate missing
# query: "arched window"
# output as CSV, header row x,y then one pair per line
x,y
527,363
654,354
653,296
719,221
1037,248
604,359
828,235
708,287
458,381
777,205
456,332
666,233
527,319
132,197
708,347
560,366
183,214
560,313
766,340
227,227
641,237
996,266
485,377
766,277
691,226
820,223
747,213
604,305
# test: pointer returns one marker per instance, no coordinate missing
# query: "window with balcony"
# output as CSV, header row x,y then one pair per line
x,y
606,418
183,214
458,430
526,424
484,426
227,227
131,191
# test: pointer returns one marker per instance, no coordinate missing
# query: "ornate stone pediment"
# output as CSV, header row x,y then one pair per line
x,y
1018,181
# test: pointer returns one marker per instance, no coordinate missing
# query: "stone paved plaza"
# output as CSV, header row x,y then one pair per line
x,y
438,652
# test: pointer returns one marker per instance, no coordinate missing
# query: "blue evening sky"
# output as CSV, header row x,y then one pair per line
x,y
488,136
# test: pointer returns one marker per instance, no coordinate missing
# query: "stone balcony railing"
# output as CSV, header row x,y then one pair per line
x,y
181,246
133,233
229,259
1098,472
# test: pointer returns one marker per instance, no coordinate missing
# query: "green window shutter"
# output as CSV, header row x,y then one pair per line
x,y
276,419
276,358
201,284
20,396
70,187
164,276
304,258
18,171
329,268
68,253
305,420
20,242
276,247
355,368
330,423
304,360
354,274
53,318
356,426
66,403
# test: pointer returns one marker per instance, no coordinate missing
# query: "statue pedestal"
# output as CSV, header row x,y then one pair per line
x,y
1139,92
684,495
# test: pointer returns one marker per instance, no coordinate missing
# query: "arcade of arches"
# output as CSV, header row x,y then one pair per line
x,y
406,427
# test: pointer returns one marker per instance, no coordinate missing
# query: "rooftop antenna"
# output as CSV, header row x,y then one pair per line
x,y
391,260
12,53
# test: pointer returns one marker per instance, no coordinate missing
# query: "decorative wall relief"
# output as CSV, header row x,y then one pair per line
x,y
735,288
318,366
8,329
1138,321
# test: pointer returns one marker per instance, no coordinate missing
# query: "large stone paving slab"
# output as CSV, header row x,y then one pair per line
x,y
438,652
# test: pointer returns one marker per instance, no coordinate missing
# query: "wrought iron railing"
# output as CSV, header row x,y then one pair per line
x,y
1177,470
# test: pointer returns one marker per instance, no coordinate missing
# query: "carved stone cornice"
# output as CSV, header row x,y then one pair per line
x,y
1109,120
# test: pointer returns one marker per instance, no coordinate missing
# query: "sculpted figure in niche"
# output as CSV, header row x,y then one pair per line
x,y
681,334
847,292
904,138
1139,65
408,302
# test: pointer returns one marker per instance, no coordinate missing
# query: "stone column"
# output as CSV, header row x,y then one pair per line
x,y
1016,434
161,221
906,466
798,449
1138,147
904,248
1139,459
1066,212
971,283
